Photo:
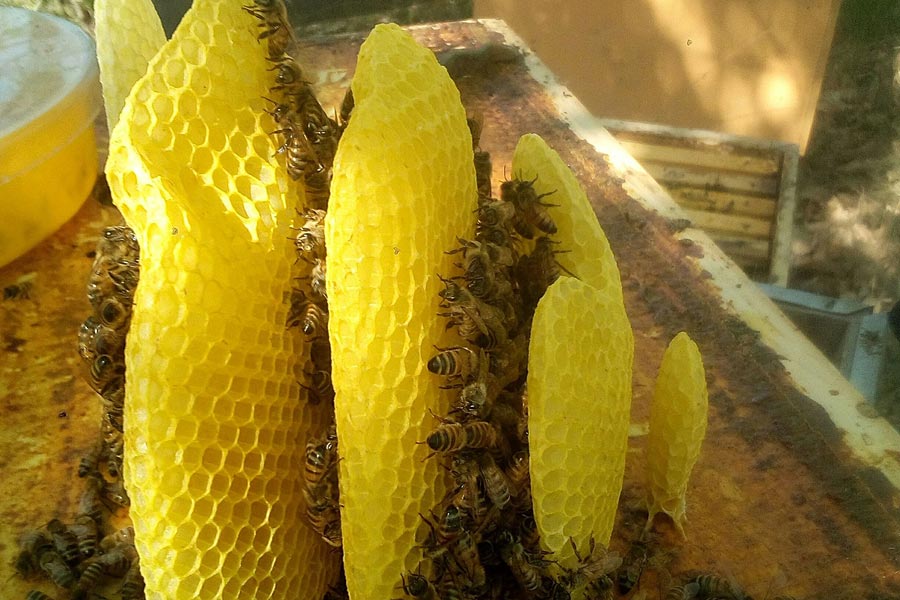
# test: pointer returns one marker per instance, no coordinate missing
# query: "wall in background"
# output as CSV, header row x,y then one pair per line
x,y
747,67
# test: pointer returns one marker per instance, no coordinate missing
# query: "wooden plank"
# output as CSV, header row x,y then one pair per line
x,y
743,249
784,220
747,226
713,157
724,202
703,136
671,175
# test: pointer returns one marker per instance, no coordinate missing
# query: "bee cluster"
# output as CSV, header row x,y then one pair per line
x,y
74,556
482,539
308,140
309,136
101,339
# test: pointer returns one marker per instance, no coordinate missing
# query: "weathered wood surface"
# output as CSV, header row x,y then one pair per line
x,y
722,179
780,500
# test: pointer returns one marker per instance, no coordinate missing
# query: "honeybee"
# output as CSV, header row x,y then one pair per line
x,y
417,586
310,242
274,24
459,363
55,567
133,583
321,131
111,431
314,320
527,570
434,545
688,591
501,239
528,532
531,213
119,240
319,387
297,300
21,288
477,322
484,265
317,279
32,545
475,123
451,523
115,493
327,523
321,490
452,437
465,551
496,484
592,568
112,277
468,494
113,396
104,369
520,479
559,592
536,271
113,313
601,588
110,341
122,538
495,213
522,429
91,459
483,172
712,586
321,459
85,529
114,453
302,161
115,563
629,574
290,81
64,541
89,504
346,108
473,400
87,336
116,265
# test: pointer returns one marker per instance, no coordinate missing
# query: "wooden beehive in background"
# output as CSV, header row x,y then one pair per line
x,y
740,190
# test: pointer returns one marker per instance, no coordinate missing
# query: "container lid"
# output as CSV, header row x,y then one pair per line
x,y
49,84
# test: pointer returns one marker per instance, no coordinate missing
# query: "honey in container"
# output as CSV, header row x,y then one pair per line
x,y
49,97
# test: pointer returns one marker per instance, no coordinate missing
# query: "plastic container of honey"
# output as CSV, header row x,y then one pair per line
x,y
49,98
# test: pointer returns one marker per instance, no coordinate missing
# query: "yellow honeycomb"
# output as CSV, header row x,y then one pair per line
x,y
677,428
577,463
403,190
579,396
588,254
215,423
128,35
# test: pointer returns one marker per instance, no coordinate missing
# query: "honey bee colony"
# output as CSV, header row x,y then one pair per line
x,y
351,365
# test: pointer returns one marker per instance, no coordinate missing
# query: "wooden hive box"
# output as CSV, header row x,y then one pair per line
x,y
740,190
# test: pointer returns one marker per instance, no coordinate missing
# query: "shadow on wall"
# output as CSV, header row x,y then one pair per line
x,y
749,68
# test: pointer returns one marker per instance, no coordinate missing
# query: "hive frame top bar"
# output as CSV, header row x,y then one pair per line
x,y
872,440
